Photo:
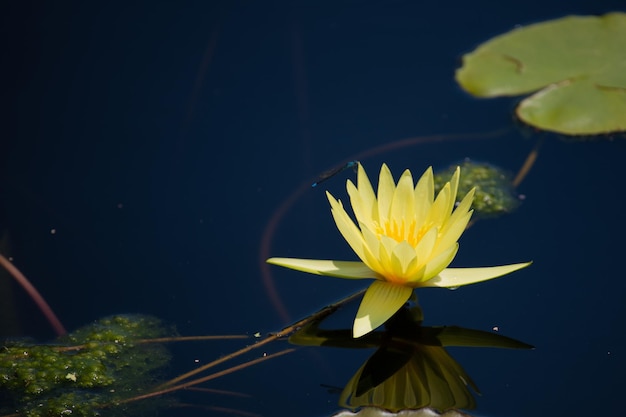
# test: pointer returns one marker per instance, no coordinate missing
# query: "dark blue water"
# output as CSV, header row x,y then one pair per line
x,y
159,139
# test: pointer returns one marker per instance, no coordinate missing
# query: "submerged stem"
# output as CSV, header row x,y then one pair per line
x,y
193,338
528,163
162,340
35,295
206,378
275,336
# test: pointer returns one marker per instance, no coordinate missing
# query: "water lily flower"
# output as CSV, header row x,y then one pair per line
x,y
405,239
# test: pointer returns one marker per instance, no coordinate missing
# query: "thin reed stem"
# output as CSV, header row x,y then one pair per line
x,y
272,337
162,340
206,378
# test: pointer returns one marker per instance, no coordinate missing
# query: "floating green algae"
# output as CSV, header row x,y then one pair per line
x,y
495,194
97,367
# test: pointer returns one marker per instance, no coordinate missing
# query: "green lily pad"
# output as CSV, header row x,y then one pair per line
x,y
576,65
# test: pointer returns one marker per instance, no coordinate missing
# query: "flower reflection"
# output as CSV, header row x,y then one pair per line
x,y
405,238
411,368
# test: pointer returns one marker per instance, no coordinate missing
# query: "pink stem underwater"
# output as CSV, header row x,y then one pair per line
x,y
34,294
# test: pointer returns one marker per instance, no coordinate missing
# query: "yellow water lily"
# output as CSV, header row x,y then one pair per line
x,y
405,239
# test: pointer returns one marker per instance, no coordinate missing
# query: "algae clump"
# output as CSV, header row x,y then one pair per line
x,y
97,367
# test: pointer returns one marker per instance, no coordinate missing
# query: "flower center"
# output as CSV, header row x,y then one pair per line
x,y
401,231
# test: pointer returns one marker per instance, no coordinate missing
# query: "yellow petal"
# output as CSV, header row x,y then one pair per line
x,y
363,199
386,188
403,202
438,212
426,244
356,202
424,196
416,276
373,262
454,186
466,202
371,240
440,262
464,207
385,249
451,233
388,244
346,227
339,269
456,277
380,302
403,259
